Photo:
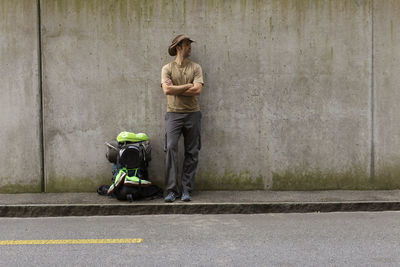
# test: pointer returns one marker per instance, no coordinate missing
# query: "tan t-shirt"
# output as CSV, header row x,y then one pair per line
x,y
189,72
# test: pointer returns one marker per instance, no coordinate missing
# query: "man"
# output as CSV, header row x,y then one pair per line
x,y
182,83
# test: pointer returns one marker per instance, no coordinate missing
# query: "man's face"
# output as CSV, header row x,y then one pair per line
x,y
186,48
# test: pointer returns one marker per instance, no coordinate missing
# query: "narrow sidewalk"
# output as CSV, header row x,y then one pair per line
x,y
204,202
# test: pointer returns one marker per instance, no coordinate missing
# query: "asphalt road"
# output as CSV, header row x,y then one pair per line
x,y
314,239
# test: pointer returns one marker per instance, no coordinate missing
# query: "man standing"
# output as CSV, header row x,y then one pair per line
x,y
182,82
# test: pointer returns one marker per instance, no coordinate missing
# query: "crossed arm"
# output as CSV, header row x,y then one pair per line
x,y
188,89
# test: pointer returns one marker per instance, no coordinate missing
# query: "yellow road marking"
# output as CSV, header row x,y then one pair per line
x,y
71,241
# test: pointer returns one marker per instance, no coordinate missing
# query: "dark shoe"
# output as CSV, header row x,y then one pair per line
x,y
170,197
186,197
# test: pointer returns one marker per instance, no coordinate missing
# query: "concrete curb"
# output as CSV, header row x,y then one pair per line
x,y
57,210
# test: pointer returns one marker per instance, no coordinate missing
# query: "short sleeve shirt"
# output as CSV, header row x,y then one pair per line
x,y
189,72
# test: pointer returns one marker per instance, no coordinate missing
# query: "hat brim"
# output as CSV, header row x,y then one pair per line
x,y
172,48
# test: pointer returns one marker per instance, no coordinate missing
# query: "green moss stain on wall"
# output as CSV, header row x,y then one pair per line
x,y
356,179
229,180
391,30
20,188
271,26
388,178
204,181
389,174
76,184
113,13
243,6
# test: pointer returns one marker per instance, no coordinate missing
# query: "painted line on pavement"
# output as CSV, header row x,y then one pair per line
x,y
71,241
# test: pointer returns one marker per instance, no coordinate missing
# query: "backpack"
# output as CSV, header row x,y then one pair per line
x,y
130,155
133,193
138,193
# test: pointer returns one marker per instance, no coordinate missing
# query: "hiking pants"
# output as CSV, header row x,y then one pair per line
x,y
176,124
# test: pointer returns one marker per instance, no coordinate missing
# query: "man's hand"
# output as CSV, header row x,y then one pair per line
x,y
168,82
170,89
195,90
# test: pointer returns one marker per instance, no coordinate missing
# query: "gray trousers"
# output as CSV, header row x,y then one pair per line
x,y
176,124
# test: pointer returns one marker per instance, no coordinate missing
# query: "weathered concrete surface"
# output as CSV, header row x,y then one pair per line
x,y
318,103
288,97
286,102
102,62
386,88
20,167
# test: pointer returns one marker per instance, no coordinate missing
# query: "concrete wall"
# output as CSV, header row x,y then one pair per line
x,y
298,94
20,157
387,94
102,63
318,107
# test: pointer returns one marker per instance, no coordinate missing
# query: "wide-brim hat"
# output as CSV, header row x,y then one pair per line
x,y
176,41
